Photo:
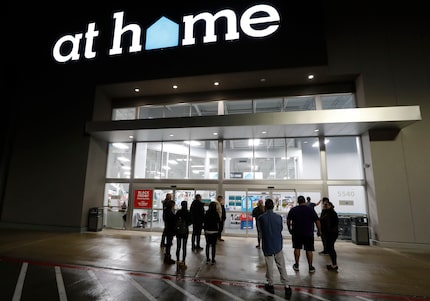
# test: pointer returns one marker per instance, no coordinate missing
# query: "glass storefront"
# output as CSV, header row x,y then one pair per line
x,y
290,162
242,170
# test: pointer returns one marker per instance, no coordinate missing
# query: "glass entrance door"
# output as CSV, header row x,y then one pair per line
x,y
239,205
149,216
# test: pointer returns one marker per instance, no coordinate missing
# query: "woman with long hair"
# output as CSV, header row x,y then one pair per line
x,y
211,224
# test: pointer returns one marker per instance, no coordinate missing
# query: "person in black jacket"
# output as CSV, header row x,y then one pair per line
x,y
330,231
211,225
169,218
325,200
163,235
256,212
183,221
197,210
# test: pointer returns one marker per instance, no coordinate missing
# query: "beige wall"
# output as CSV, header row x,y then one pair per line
x,y
391,56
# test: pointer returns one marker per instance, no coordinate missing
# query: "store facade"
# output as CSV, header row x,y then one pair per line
x,y
234,80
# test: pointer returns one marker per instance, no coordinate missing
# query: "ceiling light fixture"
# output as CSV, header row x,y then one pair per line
x,y
120,145
137,90
175,87
192,143
216,83
317,144
311,76
253,142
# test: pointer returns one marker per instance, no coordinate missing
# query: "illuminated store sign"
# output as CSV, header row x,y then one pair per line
x,y
258,21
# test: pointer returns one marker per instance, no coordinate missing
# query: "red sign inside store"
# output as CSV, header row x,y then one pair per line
x,y
143,199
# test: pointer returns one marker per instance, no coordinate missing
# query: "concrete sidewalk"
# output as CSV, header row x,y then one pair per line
x,y
361,268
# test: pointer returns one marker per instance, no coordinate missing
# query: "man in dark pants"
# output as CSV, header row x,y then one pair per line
x,y
271,225
163,235
197,210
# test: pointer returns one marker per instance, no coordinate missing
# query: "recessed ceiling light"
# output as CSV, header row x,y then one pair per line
x,y
131,137
171,135
216,83
262,80
311,76
175,87
264,132
215,134
316,130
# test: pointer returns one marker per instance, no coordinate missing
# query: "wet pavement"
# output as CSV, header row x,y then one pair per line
x,y
128,265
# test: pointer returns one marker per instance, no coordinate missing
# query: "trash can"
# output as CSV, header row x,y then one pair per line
x,y
359,230
95,219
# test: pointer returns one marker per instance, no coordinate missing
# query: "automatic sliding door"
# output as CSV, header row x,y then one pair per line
x,y
239,205
149,218
284,200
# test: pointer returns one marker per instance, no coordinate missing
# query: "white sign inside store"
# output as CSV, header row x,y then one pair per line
x,y
258,21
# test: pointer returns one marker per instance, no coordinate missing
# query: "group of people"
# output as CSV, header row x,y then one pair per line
x,y
301,222
176,224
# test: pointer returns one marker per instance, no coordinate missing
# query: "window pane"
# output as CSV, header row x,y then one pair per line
x,y
340,101
238,157
303,158
151,112
205,109
238,107
177,110
299,103
268,105
124,114
115,204
294,158
204,160
119,159
175,160
270,159
148,161
344,158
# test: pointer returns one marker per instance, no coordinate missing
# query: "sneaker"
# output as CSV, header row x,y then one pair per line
x,y
296,267
213,261
323,253
332,268
288,293
311,269
269,288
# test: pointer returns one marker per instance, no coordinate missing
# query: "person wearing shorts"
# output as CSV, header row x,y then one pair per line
x,y
300,222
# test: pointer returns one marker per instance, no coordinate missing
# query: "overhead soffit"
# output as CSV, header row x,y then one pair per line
x,y
341,122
